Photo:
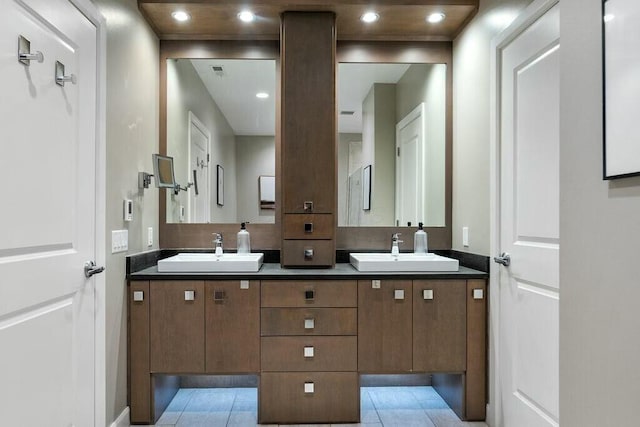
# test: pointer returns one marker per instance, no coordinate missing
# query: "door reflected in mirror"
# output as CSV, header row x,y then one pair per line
x,y
220,116
392,117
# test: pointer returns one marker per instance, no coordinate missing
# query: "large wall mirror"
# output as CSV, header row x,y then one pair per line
x,y
394,142
218,121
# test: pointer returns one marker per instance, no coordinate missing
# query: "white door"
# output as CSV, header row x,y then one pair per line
x,y
199,137
410,167
527,222
47,220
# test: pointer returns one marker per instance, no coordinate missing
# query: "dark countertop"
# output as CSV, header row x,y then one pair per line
x,y
273,271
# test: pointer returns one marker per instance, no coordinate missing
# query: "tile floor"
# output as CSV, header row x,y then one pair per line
x,y
380,406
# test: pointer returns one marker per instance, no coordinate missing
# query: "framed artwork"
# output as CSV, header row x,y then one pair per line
x,y
220,175
621,88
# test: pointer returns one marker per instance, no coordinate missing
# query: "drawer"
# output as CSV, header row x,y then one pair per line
x,y
308,253
308,321
281,354
309,226
314,397
324,293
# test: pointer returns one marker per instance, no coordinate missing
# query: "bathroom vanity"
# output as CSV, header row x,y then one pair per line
x,y
309,335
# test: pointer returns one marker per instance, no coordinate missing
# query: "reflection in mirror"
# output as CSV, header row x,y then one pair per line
x,y
392,117
221,116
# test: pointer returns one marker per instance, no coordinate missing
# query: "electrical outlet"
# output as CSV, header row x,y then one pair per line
x,y
150,236
119,241
465,237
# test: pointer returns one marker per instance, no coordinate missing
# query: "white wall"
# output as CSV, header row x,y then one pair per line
x,y
599,231
132,135
255,156
186,92
471,69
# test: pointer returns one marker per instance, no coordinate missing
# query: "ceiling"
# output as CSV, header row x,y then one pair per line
x,y
399,19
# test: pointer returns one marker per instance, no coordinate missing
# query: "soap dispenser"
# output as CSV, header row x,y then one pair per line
x,y
244,240
420,241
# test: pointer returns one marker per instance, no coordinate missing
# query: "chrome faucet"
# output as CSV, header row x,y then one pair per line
x,y
218,243
395,241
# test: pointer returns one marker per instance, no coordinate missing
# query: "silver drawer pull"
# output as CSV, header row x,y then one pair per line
x,y
309,295
308,254
309,323
478,294
308,227
308,351
398,294
427,294
309,388
308,206
138,296
219,295
189,295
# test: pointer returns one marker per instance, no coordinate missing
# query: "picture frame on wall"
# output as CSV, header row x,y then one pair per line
x,y
220,181
621,88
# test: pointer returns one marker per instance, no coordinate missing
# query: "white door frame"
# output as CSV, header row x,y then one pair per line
x,y
90,11
194,120
531,14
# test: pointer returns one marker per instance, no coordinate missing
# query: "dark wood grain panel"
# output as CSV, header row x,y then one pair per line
x,y
138,349
293,253
384,327
336,398
308,111
476,378
323,226
451,388
326,293
439,325
291,321
232,327
176,327
282,354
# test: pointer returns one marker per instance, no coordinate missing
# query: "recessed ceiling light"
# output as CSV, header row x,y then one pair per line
x,y
434,18
246,16
370,17
180,15
262,95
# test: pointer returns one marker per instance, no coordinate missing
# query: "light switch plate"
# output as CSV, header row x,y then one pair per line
x,y
309,323
465,237
308,352
478,294
150,236
308,388
119,241
244,284
375,284
398,294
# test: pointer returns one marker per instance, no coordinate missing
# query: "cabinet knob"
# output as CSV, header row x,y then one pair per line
x,y
427,294
219,295
309,323
189,295
138,295
308,206
308,351
308,254
398,294
308,227
309,388
309,295
478,294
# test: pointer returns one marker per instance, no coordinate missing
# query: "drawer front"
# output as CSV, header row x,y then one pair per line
x,y
308,226
308,253
308,321
325,293
337,354
314,397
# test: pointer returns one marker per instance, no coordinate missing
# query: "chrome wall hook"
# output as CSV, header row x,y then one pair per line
x,y
61,78
24,52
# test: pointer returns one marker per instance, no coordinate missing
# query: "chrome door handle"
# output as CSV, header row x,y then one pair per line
x,y
90,269
504,259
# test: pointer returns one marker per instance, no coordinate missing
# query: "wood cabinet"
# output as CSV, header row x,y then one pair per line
x,y
384,326
232,325
308,123
176,326
309,352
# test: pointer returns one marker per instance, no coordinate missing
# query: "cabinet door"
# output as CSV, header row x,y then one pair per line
x,y
384,326
176,326
232,326
439,325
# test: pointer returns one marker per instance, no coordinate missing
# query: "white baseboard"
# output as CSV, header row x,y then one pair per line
x,y
122,420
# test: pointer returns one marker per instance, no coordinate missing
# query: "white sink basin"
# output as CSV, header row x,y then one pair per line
x,y
208,262
402,262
